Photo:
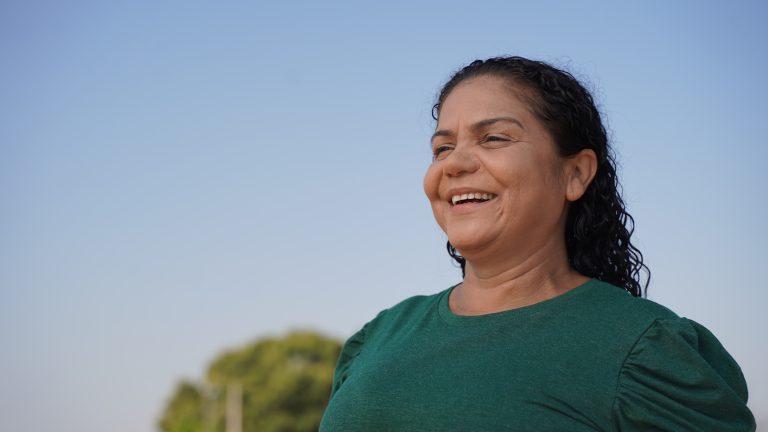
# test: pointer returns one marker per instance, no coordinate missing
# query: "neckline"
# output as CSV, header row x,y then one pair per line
x,y
447,315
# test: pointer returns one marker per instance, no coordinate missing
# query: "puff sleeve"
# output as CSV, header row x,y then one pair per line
x,y
678,377
351,349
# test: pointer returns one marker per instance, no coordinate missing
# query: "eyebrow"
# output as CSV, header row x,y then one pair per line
x,y
479,125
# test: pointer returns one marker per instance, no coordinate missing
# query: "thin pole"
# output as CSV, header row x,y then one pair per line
x,y
234,407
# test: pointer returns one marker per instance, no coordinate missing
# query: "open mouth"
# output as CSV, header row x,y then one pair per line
x,y
474,197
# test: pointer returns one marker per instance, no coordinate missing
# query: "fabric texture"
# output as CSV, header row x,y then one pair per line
x,y
592,359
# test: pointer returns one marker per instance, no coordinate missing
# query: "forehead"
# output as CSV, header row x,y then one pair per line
x,y
484,97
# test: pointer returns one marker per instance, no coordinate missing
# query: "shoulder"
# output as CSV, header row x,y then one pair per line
x,y
679,366
599,308
405,313
399,315
415,304
671,365
668,364
411,307
604,295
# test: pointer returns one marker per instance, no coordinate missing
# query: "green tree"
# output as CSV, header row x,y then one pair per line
x,y
183,413
285,385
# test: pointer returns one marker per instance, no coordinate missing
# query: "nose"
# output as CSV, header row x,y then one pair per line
x,y
461,161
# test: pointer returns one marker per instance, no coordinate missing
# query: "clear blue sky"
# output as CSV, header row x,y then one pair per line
x,y
177,178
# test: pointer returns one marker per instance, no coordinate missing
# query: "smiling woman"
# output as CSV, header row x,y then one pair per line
x,y
547,330
488,141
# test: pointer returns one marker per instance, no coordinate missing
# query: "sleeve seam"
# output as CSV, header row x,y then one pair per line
x,y
621,369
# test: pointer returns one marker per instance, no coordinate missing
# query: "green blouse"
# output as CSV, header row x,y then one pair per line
x,y
592,359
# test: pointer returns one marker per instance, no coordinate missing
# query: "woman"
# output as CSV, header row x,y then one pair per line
x,y
547,330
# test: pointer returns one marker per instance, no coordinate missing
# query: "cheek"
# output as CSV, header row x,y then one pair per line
x,y
513,175
431,189
432,182
527,186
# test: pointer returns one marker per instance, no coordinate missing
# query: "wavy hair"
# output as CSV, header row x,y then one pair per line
x,y
598,226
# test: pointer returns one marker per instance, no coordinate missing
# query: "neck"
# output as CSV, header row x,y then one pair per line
x,y
503,283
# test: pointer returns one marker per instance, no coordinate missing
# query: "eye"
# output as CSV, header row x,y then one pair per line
x,y
495,138
494,141
440,152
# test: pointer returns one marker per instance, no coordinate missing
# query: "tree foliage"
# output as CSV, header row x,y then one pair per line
x,y
285,385
183,413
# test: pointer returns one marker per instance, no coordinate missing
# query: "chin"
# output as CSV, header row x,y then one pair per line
x,y
467,243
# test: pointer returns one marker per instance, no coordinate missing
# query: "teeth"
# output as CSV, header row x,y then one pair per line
x,y
474,195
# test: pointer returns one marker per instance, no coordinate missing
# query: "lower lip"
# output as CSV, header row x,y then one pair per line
x,y
468,207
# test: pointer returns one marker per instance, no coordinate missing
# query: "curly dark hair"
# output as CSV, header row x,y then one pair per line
x,y
598,227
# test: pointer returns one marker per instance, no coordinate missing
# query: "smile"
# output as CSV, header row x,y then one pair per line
x,y
473,197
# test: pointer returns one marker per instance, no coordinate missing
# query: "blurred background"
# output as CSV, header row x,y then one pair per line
x,y
179,179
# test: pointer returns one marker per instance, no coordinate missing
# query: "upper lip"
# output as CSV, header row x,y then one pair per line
x,y
464,190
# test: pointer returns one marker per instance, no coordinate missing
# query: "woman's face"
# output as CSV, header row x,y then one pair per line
x,y
496,184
